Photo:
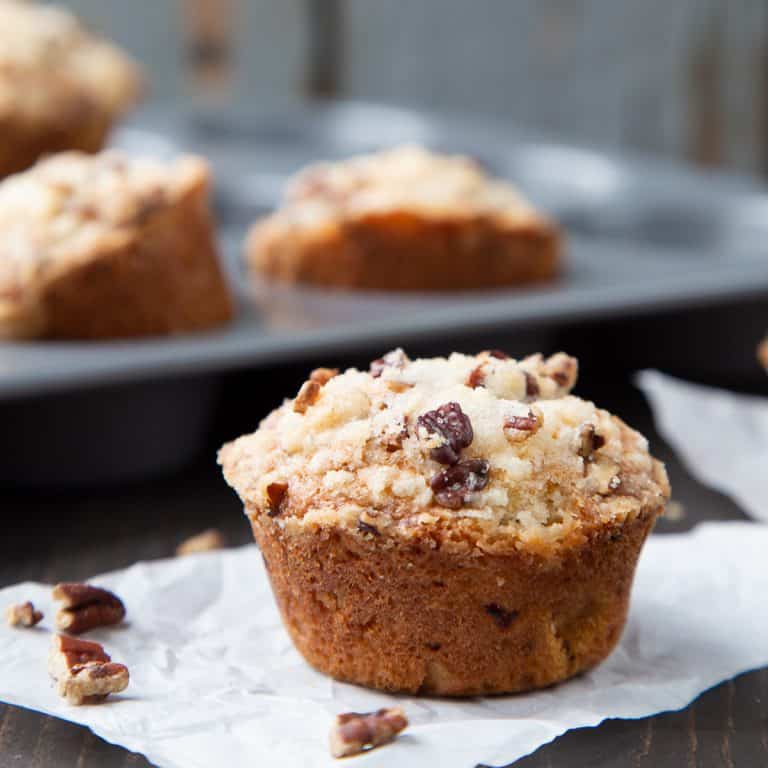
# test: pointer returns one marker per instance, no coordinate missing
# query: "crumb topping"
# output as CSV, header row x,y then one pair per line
x,y
421,448
404,178
72,206
49,63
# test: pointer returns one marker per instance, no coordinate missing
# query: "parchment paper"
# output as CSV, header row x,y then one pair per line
x,y
215,680
722,437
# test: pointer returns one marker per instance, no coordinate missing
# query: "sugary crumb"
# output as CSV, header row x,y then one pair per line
x,y
508,456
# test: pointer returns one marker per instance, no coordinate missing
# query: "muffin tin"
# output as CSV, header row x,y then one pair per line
x,y
643,236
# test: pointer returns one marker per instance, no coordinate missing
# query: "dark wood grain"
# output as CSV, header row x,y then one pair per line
x,y
51,537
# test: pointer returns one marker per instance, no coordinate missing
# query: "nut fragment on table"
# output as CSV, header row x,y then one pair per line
x,y
355,732
86,607
22,615
762,353
206,541
84,672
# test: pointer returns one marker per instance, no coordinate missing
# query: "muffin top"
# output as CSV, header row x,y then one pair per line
x,y
471,451
74,206
406,178
49,64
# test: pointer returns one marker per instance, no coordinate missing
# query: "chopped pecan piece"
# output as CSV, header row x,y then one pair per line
x,y
454,426
562,369
86,607
532,389
275,498
92,682
323,375
22,615
589,441
497,353
394,359
308,394
454,486
762,353
206,541
476,377
355,732
83,671
517,428
66,652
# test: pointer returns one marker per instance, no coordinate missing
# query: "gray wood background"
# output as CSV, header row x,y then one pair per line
x,y
687,79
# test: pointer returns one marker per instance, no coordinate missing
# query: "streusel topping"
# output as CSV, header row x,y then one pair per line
x,y
47,59
73,205
482,448
404,178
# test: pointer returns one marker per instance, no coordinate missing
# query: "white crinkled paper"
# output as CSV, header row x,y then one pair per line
x,y
215,680
722,437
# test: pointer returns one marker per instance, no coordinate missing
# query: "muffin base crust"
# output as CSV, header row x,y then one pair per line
x,y
426,616
24,142
404,251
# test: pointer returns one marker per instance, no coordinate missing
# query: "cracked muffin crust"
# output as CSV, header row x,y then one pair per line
x,y
102,246
60,86
454,526
405,220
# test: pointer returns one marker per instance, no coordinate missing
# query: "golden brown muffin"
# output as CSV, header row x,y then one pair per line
x,y
60,87
106,246
404,220
453,526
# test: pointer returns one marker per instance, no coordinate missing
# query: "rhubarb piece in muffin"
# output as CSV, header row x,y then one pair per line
x,y
106,246
404,220
60,86
452,526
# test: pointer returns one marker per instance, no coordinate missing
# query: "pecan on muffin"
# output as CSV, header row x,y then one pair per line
x,y
404,220
107,246
60,86
454,526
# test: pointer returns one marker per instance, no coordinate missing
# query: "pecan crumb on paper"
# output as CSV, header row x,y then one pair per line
x,y
205,541
355,732
86,607
22,615
84,672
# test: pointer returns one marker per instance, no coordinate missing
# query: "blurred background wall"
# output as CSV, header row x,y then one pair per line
x,y
687,79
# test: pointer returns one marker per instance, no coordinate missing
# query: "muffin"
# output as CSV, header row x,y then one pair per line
x,y
60,87
404,220
457,526
107,246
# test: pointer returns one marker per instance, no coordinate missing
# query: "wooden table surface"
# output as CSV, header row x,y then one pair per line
x,y
52,537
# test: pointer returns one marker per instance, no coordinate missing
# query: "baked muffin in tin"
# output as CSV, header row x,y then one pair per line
x,y
454,526
61,87
107,246
404,220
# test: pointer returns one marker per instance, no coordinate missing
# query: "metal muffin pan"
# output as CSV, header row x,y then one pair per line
x,y
643,237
